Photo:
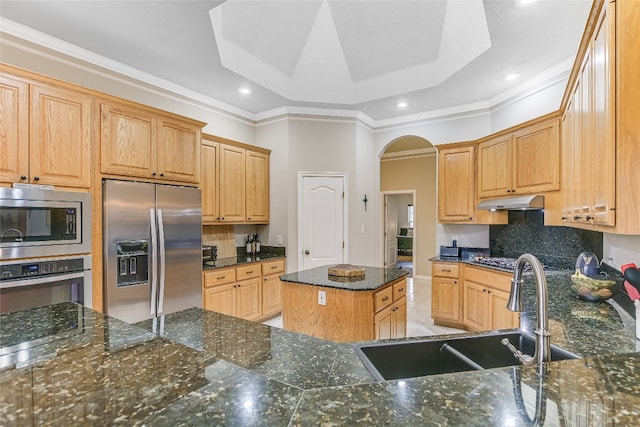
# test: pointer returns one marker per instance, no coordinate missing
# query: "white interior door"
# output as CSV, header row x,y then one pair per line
x,y
390,232
321,222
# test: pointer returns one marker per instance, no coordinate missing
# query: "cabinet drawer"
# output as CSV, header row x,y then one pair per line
x,y
383,298
273,267
219,277
399,289
489,278
446,270
248,272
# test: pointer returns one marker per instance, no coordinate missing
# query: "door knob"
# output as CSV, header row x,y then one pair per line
x,y
306,252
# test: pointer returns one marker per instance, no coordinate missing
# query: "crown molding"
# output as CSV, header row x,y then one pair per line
x,y
116,70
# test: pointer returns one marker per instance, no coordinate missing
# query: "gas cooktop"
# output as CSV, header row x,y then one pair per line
x,y
508,264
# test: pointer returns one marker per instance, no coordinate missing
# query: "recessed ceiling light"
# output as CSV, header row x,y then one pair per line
x,y
244,90
511,76
402,104
525,3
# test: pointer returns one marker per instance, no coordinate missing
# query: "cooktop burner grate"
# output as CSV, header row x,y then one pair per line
x,y
503,263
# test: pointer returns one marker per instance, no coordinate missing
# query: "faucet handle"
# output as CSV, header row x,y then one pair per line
x,y
523,358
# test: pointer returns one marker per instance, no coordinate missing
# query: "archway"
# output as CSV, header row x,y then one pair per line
x,y
408,166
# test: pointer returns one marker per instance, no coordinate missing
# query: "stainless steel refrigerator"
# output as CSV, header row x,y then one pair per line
x,y
152,250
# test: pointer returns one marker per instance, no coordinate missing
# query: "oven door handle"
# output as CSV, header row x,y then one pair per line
x,y
6,284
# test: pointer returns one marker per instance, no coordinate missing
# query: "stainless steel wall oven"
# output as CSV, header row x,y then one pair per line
x,y
26,284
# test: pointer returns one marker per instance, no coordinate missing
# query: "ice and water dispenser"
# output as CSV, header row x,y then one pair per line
x,y
133,262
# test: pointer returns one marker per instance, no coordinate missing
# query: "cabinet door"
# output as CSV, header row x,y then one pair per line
x,y
248,299
536,158
209,181
568,141
220,298
60,137
232,183
127,141
445,303
476,306
14,130
501,317
399,319
604,141
383,324
271,295
257,187
456,185
494,167
584,154
178,151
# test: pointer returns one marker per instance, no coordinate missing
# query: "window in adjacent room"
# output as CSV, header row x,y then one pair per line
x,y
410,215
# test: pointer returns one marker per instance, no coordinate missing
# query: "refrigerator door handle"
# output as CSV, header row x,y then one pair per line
x,y
162,260
154,260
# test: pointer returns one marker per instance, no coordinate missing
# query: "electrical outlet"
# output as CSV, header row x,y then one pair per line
x,y
322,298
279,239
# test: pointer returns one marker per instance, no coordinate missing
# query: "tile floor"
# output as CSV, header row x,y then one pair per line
x,y
419,321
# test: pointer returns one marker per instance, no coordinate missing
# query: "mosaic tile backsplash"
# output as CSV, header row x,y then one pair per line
x,y
554,246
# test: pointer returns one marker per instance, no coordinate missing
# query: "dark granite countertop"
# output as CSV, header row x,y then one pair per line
x,y
68,365
374,278
239,260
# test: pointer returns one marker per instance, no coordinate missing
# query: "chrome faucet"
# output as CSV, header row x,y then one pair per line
x,y
543,337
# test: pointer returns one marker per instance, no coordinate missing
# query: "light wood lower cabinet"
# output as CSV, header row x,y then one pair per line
x,y
446,294
472,298
485,298
347,315
245,291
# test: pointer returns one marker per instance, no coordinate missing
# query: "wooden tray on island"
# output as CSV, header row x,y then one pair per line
x,y
346,270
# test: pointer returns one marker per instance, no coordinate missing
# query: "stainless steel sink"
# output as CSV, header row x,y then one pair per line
x,y
407,359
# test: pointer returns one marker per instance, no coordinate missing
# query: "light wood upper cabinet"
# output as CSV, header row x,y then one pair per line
x,y
46,134
128,136
523,161
235,182
494,167
257,187
209,181
14,129
178,153
142,143
232,183
589,138
456,184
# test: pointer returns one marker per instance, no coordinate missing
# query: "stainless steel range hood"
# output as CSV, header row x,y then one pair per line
x,y
532,202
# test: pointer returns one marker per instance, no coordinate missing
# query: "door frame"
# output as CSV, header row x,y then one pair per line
x,y
383,224
345,211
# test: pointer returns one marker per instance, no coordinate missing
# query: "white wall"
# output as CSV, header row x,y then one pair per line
x,y
623,249
361,247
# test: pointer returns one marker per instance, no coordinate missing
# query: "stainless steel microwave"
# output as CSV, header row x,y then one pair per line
x,y
35,223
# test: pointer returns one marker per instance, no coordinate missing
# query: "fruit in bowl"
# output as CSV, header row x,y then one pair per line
x,y
591,289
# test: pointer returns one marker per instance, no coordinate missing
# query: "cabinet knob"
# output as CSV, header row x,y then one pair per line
x,y
36,178
153,174
162,174
508,191
576,217
588,218
385,298
23,177
564,218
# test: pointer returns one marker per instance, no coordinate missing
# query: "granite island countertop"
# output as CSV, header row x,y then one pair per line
x,y
68,365
240,259
374,278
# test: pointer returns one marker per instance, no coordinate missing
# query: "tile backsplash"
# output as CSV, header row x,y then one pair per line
x,y
554,246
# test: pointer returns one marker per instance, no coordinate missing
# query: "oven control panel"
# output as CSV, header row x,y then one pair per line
x,y
20,270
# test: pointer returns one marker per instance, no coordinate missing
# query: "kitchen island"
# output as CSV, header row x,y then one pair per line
x,y
345,308
69,365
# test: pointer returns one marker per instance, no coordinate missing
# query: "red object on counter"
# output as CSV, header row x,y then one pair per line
x,y
633,291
